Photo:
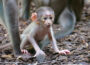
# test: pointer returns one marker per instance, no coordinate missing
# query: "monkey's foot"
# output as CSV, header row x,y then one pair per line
x,y
40,56
63,52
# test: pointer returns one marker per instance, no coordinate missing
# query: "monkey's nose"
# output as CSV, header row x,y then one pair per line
x,y
48,25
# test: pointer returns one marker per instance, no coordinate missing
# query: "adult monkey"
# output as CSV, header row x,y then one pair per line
x,y
9,17
67,13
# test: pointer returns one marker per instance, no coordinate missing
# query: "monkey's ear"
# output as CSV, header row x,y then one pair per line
x,y
34,16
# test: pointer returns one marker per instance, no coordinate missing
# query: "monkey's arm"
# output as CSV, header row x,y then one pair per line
x,y
40,55
23,42
53,40
54,43
33,42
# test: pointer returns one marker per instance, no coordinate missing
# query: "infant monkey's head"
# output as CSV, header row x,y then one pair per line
x,y
44,15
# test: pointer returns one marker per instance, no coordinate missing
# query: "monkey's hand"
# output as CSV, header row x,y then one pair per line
x,y
40,55
25,51
63,52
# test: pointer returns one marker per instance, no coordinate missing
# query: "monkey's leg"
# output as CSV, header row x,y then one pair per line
x,y
67,20
1,13
26,8
11,20
77,7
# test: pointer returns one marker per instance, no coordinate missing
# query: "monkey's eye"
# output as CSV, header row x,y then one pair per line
x,y
45,18
51,18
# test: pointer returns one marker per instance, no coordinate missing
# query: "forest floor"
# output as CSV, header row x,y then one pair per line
x,y
77,42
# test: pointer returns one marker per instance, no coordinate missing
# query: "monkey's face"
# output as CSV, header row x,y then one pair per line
x,y
47,20
45,16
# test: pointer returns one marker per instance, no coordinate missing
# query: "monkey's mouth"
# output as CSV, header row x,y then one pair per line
x,y
48,26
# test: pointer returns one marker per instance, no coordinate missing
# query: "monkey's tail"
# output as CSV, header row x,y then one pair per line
x,y
67,20
5,46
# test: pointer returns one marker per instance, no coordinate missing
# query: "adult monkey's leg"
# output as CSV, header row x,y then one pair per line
x,y
77,7
11,21
26,9
2,21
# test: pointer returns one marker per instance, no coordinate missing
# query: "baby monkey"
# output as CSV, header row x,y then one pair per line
x,y
40,27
